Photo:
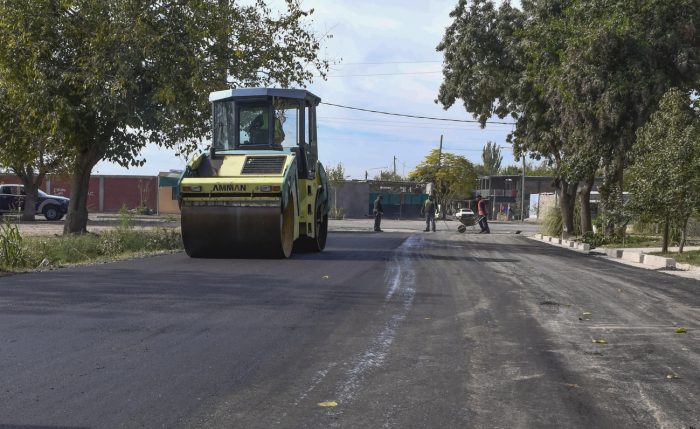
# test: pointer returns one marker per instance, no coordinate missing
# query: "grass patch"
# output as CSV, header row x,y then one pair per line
x,y
31,252
636,241
689,257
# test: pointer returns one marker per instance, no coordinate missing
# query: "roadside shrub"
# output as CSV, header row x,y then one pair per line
x,y
552,222
108,245
595,239
165,239
12,254
126,219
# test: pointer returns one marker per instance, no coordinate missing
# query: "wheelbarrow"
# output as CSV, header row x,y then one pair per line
x,y
467,221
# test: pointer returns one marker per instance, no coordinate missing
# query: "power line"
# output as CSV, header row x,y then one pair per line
x,y
412,124
411,116
382,74
391,62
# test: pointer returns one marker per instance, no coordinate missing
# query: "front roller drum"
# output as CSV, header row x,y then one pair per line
x,y
248,232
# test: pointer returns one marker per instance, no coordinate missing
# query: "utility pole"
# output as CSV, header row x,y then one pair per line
x,y
437,185
522,194
394,165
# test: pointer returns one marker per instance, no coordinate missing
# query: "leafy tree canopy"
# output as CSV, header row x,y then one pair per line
x,y
389,176
453,176
492,158
116,75
336,174
665,177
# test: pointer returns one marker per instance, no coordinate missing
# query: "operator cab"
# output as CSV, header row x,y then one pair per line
x,y
266,119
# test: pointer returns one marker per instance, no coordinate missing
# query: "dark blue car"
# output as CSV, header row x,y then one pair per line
x,y
52,207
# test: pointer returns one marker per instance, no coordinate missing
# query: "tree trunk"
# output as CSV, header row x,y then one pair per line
x,y
30,199
664,240
567,202
611,196
585,200
77,217
684,235
31,186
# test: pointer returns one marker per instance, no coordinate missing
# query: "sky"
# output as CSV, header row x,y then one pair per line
x,y
385,59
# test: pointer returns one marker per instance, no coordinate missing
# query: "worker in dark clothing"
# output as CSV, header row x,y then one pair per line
x,y
482,214
378,212
429,211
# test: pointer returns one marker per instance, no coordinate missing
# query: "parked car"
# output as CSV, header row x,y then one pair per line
x,y
53,207
463,212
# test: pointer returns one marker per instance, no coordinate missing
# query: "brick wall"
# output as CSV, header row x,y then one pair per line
x,y
105,193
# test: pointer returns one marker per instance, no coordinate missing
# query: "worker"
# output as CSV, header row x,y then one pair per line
x,y
259,131
483,214
429,211
378,212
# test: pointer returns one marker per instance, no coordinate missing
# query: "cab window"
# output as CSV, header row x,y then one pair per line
x,y
223,125
286,124
253,125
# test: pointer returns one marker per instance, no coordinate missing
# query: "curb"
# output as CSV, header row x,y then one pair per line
x,y
567,244
651,261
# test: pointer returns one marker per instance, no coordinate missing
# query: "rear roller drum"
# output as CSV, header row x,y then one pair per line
x,y
287,229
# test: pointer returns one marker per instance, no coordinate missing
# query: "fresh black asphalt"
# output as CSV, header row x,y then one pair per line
x,y
380,330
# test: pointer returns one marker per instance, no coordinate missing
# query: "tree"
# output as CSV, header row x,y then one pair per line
x,y
492,158
336,175
453,176
542,169
511,170
578,76
29,148
665,177
121,74
389,176
619,58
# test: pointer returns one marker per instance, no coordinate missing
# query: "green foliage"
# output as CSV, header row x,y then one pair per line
x,y
336,175
692,257
110,245
389,176
665,177
105,78
511,170
492,158
578,76
12,252
126,219
542,169
453,176
595,239
551,224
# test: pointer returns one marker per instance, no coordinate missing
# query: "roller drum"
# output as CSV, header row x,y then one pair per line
x,y
222,231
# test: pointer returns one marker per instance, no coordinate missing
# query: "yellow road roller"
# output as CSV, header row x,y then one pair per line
x,y
260,191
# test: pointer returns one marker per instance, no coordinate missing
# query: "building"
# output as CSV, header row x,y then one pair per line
x,y
355,198
504,193
106,193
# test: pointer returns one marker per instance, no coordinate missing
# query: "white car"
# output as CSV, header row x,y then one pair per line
x,y
463,212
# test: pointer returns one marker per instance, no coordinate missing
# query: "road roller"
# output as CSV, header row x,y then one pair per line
x,y
260,190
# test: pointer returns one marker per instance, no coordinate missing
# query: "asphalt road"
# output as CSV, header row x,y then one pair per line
x,y
380,330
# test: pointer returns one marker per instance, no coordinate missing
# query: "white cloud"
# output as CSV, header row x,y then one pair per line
x,y
370,31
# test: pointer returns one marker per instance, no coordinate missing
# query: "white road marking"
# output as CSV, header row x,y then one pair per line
x,y
401,279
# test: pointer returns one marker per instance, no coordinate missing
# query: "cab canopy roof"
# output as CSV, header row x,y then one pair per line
x,y
299,94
